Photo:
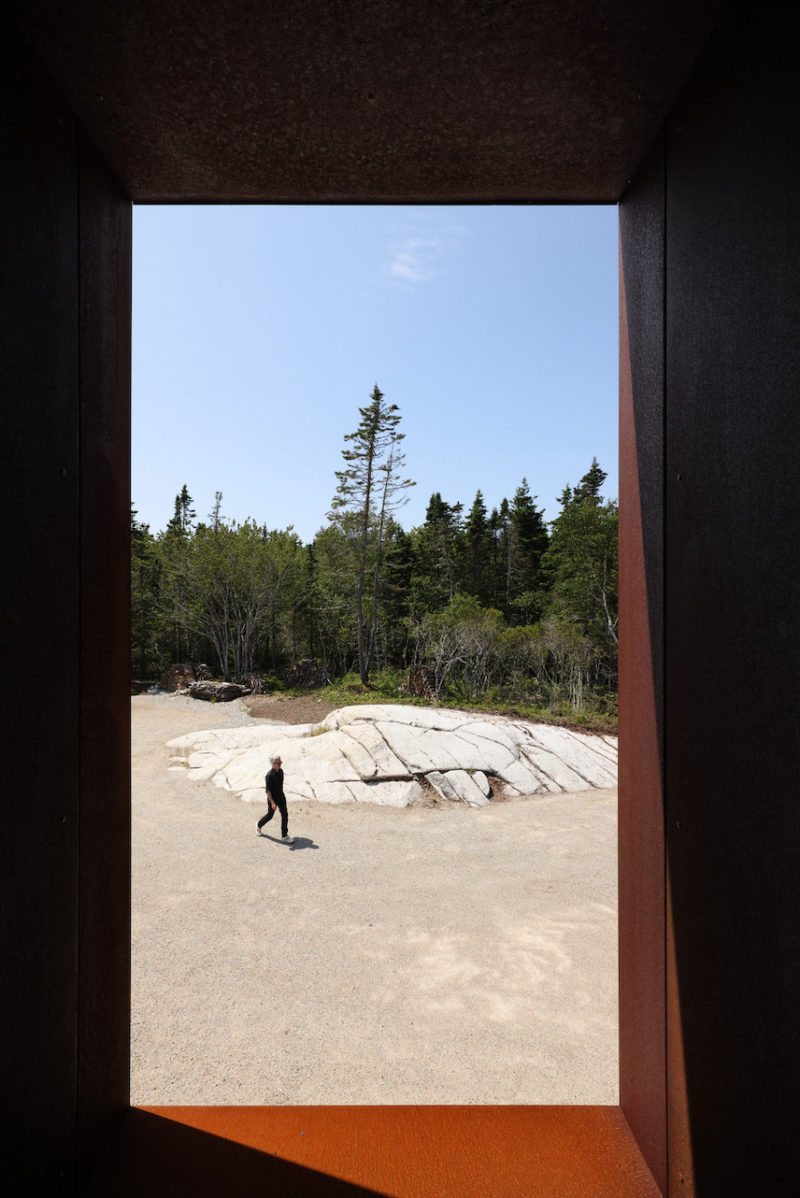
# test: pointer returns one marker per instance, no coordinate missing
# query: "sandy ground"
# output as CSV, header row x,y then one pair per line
x,y
432,954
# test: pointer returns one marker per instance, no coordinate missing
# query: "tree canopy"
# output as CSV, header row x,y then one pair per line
x,y
494,603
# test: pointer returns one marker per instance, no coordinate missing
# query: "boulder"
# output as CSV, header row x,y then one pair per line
x,y
396,793
379,754
588,757
396,713
219,692
460,786
384,762
406,744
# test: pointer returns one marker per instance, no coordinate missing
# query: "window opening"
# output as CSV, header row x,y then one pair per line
x,y
434,953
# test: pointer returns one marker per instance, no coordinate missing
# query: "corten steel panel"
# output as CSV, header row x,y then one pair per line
x,y
399,101
406,1152
104,917
733,819
71,353
730,740
641,672
40,620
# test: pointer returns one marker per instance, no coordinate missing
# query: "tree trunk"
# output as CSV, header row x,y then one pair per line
x,y
363,665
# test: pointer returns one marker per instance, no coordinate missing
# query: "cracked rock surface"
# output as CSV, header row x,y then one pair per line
x,y
383,753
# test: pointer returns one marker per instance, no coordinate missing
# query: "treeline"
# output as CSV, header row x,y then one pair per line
x,y
497,604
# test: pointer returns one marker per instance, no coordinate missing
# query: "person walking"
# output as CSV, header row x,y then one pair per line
x,y
277,799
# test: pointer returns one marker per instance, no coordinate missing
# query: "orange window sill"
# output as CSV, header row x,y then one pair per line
x,y
403,1151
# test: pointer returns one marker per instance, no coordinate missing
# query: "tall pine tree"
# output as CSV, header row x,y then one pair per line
x,y
580,565
438,555
371,487
528,542
477,541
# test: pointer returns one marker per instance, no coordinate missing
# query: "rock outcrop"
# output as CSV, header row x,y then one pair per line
x,y
217,692
382,754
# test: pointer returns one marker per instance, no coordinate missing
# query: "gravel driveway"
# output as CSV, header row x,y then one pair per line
x,y
433,954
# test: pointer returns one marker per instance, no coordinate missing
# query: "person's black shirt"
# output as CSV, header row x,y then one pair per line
x,y
274,784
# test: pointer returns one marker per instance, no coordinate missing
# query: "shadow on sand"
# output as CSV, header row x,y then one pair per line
x,y
299,842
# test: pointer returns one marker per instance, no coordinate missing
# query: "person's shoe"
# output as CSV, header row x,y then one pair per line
x,y
287,839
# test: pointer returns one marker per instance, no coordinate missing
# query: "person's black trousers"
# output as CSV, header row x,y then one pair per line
x,y
284,816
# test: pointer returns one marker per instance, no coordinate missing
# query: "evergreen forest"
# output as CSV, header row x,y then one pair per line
x,y
504,611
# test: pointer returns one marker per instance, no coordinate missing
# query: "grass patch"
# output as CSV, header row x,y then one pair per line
x,y
586,719
598,716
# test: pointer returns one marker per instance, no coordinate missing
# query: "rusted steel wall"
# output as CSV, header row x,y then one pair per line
x,y
641,664
40,621
732,667
356,1152
66,378
104,881
708,662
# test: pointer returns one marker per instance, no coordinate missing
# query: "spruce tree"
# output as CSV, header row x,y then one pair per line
x,y
500,527
528,541
310,587
174,544
438,545
590,485
184,515
580,565
371,486
214,515
477,540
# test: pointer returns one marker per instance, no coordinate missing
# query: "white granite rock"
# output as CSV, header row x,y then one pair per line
x,y
482,782
387,793
332,792
504,734
254,795
406,744
482,752
459,786
367,736
323,757
440,747
395,713
298,788
586,762
360,758
527,780
376,753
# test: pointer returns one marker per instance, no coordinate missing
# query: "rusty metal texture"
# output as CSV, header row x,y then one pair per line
x,y
363,102
406,1152
717,725
104,882
732,511
641,666
40,603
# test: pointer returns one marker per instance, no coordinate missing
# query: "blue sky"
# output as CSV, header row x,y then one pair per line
x,y
258,332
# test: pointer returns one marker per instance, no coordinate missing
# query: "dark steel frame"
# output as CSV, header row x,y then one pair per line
x,y
709,826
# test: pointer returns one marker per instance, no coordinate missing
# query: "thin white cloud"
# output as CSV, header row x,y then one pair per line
x,y
424,246
415,260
